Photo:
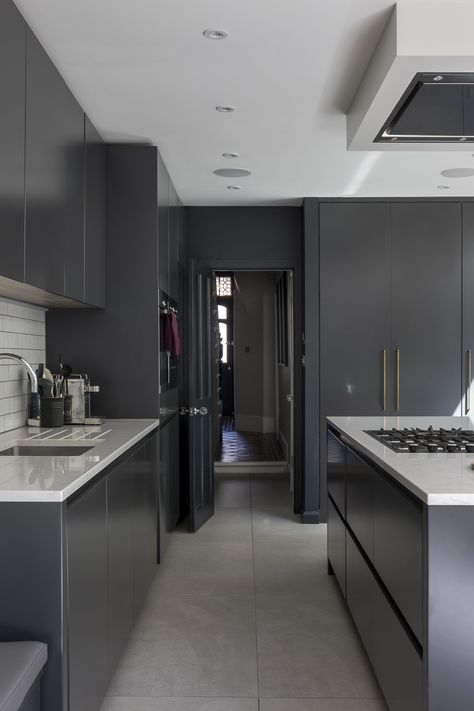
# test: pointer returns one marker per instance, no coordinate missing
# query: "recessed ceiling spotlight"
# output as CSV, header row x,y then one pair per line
x,y
230,155
233,187
232,172
214,34
438,78
458,173
444,187
225,109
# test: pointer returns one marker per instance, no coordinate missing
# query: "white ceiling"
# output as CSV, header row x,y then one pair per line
x,y
143,72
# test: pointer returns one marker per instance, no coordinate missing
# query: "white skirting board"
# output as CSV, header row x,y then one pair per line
x,y
249,468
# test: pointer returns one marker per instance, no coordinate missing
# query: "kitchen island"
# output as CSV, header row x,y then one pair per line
x,y
78,548
400,543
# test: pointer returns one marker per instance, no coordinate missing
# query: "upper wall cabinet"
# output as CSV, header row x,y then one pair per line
x,y
163,227
12,135
95,217
173,242
54,178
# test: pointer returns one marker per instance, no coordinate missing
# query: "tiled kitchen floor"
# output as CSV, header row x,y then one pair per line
x,y
243,617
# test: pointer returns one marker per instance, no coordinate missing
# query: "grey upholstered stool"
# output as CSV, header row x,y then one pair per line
x,y
21,664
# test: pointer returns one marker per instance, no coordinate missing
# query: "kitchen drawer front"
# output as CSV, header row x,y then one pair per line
x,y
336,457
337,545
398,549
394,658
360,501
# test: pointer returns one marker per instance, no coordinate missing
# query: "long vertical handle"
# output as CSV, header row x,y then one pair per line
x,y
398,379
384,379
469,380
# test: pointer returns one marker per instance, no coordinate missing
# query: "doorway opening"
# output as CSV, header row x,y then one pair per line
x,y
253,371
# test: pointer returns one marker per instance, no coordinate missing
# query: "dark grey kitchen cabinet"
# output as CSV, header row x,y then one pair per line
x,y
87,598
360,501
95,231
173,506
336,466
173,243
54,179
337,545
354,314
12,141
354,307
426,307
467,305
145,538
397,663
120,492
163,228
398,549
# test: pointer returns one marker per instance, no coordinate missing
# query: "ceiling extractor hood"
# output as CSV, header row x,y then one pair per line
x,y
418,90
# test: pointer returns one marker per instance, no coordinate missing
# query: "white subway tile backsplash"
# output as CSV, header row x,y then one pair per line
x,y
22,331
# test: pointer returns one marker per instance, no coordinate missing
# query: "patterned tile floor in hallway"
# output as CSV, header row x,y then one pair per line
x,y
243,617
237,446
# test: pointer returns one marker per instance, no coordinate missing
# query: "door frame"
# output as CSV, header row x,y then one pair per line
x,y
276,265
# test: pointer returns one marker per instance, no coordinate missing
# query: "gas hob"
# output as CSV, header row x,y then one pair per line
x,y
425,441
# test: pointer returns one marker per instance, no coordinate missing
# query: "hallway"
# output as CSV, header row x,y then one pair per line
x,y
243,617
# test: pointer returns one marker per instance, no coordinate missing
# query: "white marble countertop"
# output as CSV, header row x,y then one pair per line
x,y
437,479
56,478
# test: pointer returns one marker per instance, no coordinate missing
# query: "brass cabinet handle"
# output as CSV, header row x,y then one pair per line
x,y
384,379
469,380
398,379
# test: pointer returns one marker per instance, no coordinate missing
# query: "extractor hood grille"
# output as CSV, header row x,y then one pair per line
x,y
435,108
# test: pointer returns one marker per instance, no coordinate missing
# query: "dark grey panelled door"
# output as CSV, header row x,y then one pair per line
x,y
468,307
354,313
200,397
426,308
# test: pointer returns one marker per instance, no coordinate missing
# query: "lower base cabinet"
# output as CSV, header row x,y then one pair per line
x,y
396,662
111,560
337,545
168,480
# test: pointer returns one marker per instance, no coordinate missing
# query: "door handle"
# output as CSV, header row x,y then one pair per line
x,y
192,411
397,401
384,379
289,398
469,380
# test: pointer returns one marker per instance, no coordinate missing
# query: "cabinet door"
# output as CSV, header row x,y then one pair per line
x,y
163,488
468,306
144,522
12,141
337,545
173,503
426,307
120,495
398,549
54,179
87,598
95,217
355,306
163,227
337,472
397,664
173,242
360,501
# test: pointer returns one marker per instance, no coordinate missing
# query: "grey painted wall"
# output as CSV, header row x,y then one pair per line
x,y
254,352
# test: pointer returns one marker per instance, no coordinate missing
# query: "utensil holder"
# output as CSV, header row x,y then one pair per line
x,y
52,412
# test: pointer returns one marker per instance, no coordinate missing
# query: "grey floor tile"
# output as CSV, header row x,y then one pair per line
x,y
271,493
231,492
120,703
207,569
191,647
309,648
281,525
228,525
289,567
322,705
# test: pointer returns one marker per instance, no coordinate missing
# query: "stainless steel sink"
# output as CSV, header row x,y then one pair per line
x,y
46,450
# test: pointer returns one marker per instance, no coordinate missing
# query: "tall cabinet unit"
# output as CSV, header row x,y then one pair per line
x,y
54,185
390,311
467,402
12,141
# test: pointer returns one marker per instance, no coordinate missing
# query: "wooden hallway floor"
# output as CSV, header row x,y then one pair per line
x,y
239,446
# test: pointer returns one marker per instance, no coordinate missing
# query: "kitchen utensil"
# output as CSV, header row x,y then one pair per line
x,y
45,387
64,368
